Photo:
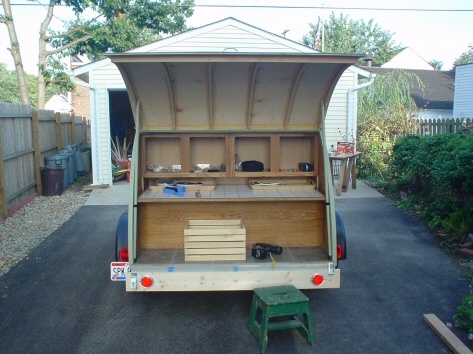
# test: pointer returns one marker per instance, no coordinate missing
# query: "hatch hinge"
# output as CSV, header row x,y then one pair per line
x,y
331,268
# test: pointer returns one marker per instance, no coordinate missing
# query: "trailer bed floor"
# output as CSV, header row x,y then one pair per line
x,y
289,255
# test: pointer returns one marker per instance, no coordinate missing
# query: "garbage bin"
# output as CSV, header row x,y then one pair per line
x,y
77,157
71,166
53,180
58,160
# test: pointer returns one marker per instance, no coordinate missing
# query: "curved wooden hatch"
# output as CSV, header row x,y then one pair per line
x,y
231,92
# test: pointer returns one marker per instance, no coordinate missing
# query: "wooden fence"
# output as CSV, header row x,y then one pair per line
x,y
26,137
444,126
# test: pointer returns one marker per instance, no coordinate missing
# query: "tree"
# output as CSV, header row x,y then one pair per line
x,y
436,64
465,58
10,92
386,111
120,25
7,19
344,35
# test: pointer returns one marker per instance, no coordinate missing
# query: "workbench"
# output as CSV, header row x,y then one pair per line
x,y
347,170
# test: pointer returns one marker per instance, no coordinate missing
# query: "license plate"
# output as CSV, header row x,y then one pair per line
x,y
118,271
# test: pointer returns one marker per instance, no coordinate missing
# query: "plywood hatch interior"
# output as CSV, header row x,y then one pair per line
x,y
231,92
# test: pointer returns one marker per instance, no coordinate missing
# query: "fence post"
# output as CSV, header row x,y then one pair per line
x,y
57,117
84,132
36,151
73,128
3,193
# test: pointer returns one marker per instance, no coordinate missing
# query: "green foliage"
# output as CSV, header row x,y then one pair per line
x,y
436,64
465,58
10,92
386,112
344,35
123,25
464,317
436,172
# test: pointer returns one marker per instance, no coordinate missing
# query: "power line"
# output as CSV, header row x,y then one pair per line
x,y
285,7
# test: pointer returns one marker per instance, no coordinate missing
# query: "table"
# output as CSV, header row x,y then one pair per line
x,y
347,170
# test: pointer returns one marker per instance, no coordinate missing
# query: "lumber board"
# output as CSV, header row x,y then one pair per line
x,y
452,341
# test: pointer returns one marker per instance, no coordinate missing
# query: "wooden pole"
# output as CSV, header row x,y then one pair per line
x,y
57,117
3,193
73,130
37,152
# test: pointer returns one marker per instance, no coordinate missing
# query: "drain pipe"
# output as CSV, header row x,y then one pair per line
x,y
353,109
97,173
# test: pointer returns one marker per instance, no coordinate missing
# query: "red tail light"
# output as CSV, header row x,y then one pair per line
x,y
123,254
339,251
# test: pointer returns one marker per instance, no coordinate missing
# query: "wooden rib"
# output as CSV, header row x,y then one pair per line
x,y
210,103
251,93
171,94
290,100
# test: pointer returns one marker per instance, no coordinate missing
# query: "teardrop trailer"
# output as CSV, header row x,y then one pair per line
x,y
196,220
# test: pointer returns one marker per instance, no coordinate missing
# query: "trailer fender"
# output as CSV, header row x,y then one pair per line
x,y
341,237
121,238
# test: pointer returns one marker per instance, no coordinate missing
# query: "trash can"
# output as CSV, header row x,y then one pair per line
x,y
71,166
58,160
77,157
53,180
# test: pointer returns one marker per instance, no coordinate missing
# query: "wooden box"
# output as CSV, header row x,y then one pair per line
x,y
215,240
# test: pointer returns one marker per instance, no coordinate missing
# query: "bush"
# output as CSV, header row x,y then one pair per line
x,y
437,172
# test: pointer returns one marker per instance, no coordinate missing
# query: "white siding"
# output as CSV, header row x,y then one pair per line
x,y
337,113
229,38
463,98
435,113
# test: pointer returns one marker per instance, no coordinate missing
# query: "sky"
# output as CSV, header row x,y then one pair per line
x,y
434,35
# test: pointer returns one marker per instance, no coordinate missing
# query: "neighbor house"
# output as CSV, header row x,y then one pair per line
x,y
110,110
435,100
463,104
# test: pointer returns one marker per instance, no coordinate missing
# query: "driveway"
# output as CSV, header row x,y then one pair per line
x,y
60,299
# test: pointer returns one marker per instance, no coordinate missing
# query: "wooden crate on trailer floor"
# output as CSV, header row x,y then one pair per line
x,y
215,240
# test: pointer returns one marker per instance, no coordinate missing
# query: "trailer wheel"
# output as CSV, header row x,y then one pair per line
x,y
341,237
121,238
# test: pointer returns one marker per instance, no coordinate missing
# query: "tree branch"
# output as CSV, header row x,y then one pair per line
x,y
68,45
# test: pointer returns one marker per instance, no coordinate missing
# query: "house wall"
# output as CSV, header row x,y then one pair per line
x,y
336,123
435,113
463,98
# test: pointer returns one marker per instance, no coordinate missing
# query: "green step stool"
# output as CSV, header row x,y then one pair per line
x,y
277,301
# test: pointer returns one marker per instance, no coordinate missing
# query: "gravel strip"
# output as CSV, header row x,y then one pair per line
x,y
29,226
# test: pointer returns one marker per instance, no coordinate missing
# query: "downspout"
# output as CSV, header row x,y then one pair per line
x,y
97,177
353,108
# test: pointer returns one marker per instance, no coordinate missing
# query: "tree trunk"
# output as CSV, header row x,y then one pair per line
x,y
43,54
15,52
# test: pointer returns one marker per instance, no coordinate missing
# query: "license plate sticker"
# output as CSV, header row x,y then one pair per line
x,y
118,271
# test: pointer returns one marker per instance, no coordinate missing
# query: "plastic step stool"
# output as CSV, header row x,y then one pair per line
x,y
278,301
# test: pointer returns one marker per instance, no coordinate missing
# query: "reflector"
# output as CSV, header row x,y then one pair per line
x,y
318,279
146,282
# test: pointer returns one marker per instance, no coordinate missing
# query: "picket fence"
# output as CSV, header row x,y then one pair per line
x,y
28,135
444,126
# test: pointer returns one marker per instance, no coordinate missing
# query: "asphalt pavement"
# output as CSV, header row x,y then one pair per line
x,y
60,299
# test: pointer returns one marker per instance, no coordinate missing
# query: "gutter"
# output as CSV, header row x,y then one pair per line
x,y
96,151
353,108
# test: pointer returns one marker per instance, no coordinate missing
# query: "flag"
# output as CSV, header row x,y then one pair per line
x,y
317,36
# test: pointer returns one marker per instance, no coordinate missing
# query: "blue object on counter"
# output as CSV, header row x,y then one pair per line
x,y
176,190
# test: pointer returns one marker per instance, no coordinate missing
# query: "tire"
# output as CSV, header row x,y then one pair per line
x,y
341,237
121,237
